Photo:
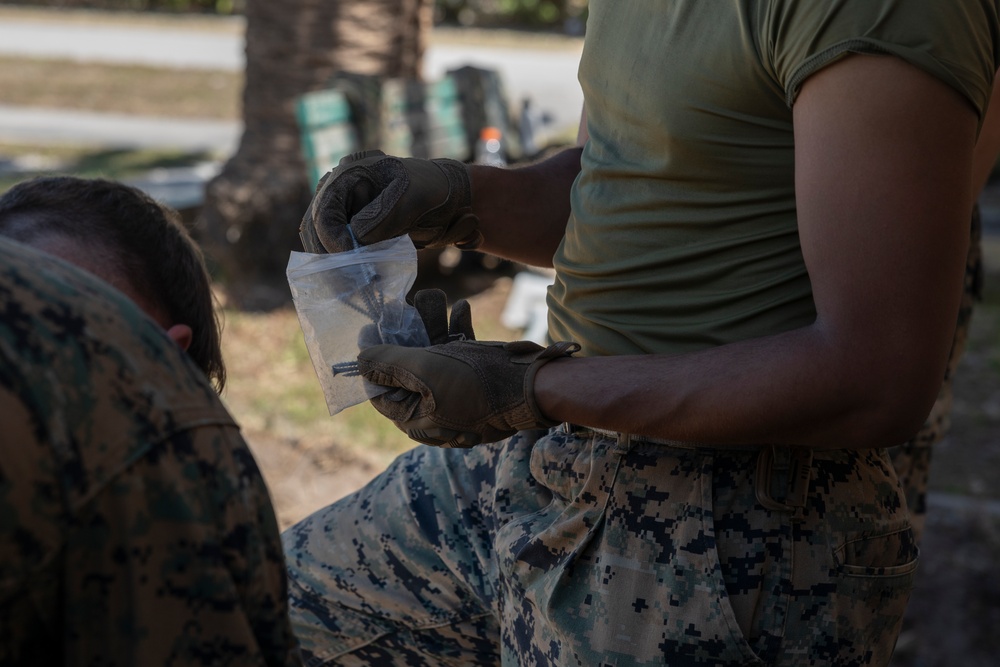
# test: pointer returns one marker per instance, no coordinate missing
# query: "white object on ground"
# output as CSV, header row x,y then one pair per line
x,y
525,308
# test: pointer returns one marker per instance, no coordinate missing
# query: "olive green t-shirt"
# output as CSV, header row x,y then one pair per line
x,y
683,230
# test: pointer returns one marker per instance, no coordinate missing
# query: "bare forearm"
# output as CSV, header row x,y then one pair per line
x,y
523,211
800,388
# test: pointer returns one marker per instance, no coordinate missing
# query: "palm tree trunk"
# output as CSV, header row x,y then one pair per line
x,y
253,207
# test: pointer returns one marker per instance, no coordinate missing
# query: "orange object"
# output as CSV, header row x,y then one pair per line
x,y
488,133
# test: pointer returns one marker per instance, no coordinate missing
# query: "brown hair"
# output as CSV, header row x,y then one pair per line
x,y
152,248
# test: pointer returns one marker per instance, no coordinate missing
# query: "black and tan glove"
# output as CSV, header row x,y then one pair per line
x,y
462,393
371,197
432,306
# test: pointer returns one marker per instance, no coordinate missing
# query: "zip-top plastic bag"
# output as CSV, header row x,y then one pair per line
x,y
352,300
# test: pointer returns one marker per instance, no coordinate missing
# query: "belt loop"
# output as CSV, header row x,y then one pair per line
x,y
623,443
783,475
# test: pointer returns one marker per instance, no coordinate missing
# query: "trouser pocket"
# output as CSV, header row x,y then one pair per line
x,y
855,562
622,567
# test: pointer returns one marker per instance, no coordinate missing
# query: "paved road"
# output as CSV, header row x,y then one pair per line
x,y
116,42
546,76
111,130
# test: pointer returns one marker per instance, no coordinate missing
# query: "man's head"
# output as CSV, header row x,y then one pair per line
x,y
127,239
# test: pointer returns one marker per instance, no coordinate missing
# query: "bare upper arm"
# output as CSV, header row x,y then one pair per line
x,y
988,145
883,192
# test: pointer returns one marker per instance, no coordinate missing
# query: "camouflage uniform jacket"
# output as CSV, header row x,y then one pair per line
x,y
135,527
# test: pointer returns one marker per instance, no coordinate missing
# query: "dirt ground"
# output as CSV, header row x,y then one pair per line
x,y
954,611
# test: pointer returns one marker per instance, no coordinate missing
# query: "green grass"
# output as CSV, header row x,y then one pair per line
x,y
364,428
273,387
130,89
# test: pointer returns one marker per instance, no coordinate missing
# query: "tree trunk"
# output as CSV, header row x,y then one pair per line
x,y
253,207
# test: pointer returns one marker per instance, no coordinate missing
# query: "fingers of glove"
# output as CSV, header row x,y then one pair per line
x,y
398,394
460,325
360,155
333,206
465,233
432,306
409,399
307,234
307,231
390,366
382,197
369,336
426,431
324,225
365,189
381,216
322,181
429,432
398,405
327,239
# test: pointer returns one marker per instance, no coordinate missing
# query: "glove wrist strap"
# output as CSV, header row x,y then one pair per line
x,y
460,196
558,350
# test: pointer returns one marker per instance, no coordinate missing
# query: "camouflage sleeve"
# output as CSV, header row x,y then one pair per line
x,y
178,562
32,516
135,527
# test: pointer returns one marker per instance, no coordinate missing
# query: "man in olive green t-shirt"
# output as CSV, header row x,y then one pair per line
x,y
758,257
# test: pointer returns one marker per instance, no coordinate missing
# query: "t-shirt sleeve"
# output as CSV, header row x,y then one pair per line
x,y
954,40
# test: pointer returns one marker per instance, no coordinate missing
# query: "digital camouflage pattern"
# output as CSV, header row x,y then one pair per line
x,y
912,460
577,549
135,527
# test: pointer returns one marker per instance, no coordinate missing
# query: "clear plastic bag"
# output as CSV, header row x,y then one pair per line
x,y
349,301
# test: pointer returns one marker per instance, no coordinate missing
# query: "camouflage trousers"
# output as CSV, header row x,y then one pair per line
x,y
575,548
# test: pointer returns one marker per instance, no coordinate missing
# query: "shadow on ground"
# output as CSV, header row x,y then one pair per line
x,y
954,612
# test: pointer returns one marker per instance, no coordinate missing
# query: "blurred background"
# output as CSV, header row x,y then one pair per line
x,y
229,109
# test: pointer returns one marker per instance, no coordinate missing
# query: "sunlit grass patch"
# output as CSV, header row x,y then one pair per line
x,y
127,89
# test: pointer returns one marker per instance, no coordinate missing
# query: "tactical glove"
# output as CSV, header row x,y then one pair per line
x,y
371,197
461,393
432,306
